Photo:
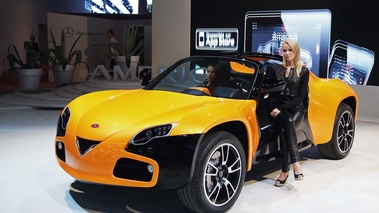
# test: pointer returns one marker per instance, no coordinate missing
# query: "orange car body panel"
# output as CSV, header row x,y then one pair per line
x,y
191,115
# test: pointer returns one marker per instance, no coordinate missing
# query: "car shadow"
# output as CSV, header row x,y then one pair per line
x,y
119,199
270,169
99,198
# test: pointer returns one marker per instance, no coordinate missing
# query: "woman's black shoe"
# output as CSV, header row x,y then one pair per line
x,y
280,183
298,176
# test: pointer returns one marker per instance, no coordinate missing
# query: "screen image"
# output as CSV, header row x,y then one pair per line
x,y
112,6
265,32
350,63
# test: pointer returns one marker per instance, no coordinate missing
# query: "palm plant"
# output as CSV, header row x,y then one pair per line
x,y
29,72
134,47
32,55
57,55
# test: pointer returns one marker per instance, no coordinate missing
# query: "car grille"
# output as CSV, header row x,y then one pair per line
x,y
84,145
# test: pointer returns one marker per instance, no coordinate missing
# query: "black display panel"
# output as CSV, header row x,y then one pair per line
x,y
350,63
265,32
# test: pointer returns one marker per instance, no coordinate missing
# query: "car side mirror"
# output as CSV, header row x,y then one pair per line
x,y
145,76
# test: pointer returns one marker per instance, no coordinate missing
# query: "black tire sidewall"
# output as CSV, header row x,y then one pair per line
x,y
334,141
207,148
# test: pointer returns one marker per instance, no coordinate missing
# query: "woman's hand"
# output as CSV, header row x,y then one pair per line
x,y
274,112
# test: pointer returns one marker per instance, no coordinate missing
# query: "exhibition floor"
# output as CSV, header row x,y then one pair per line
x,y
32,181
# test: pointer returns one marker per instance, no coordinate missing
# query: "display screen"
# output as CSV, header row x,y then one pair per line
x,y
112,6
265,32
350,63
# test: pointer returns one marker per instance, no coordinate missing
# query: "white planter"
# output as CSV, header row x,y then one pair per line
x,y
134,59
29,79
121,61
64,77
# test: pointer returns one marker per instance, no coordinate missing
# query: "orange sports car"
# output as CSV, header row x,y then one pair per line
x,y
176,134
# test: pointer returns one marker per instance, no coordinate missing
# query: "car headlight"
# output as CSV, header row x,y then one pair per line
x,y
63,122
146,135
65,116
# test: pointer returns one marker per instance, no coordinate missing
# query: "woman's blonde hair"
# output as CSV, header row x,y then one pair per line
x,y
296,50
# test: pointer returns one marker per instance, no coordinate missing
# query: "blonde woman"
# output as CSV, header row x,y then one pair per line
x,y
291,111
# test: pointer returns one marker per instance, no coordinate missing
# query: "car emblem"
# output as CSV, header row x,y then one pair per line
x,y
95,125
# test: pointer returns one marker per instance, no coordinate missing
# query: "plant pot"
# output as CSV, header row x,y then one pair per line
x,y
121,61
134,59
64,77
29,79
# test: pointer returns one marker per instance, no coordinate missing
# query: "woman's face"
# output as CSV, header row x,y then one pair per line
x,y
211,73
288,53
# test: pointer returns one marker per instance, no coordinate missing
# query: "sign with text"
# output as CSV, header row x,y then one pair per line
x,y
217,39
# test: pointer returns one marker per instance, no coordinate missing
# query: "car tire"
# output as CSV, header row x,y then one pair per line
x,y
219,174
343,135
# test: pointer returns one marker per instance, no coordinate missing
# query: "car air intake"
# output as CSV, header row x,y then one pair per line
x,y
133,170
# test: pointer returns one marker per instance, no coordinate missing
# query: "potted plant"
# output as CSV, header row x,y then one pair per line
x,y
64,65
29,73
131,50
134,46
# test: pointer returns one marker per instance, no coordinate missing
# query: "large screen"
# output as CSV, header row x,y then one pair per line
x,y
350,63
265,32
112,6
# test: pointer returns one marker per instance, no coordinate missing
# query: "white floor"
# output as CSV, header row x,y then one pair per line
x,y
32,181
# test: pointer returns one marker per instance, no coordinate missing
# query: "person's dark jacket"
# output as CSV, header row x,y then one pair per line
x,y
296,86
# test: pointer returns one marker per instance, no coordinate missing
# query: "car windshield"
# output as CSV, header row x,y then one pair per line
x,y
213,76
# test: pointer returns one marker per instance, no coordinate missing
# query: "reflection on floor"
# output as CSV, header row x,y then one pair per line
x,y
32,181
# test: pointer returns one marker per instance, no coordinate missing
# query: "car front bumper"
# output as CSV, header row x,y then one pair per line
x,y
163,163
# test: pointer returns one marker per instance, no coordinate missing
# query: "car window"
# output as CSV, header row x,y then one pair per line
x,y
190,77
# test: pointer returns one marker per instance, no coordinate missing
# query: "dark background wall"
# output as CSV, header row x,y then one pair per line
x,y
352,20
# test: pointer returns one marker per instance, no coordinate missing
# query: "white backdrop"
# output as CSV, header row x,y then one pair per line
x,y
94,30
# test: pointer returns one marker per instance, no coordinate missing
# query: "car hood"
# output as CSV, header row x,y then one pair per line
x,y
101,115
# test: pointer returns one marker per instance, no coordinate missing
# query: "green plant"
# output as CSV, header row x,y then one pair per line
x,y
134,47
32,55
57,54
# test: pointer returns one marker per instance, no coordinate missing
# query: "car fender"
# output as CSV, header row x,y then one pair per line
x,y
219,116
325,97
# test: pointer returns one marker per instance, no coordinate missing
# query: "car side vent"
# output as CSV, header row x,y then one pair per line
x,y
84,145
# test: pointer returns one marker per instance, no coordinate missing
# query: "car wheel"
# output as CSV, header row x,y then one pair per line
x,y
219,174
343,135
